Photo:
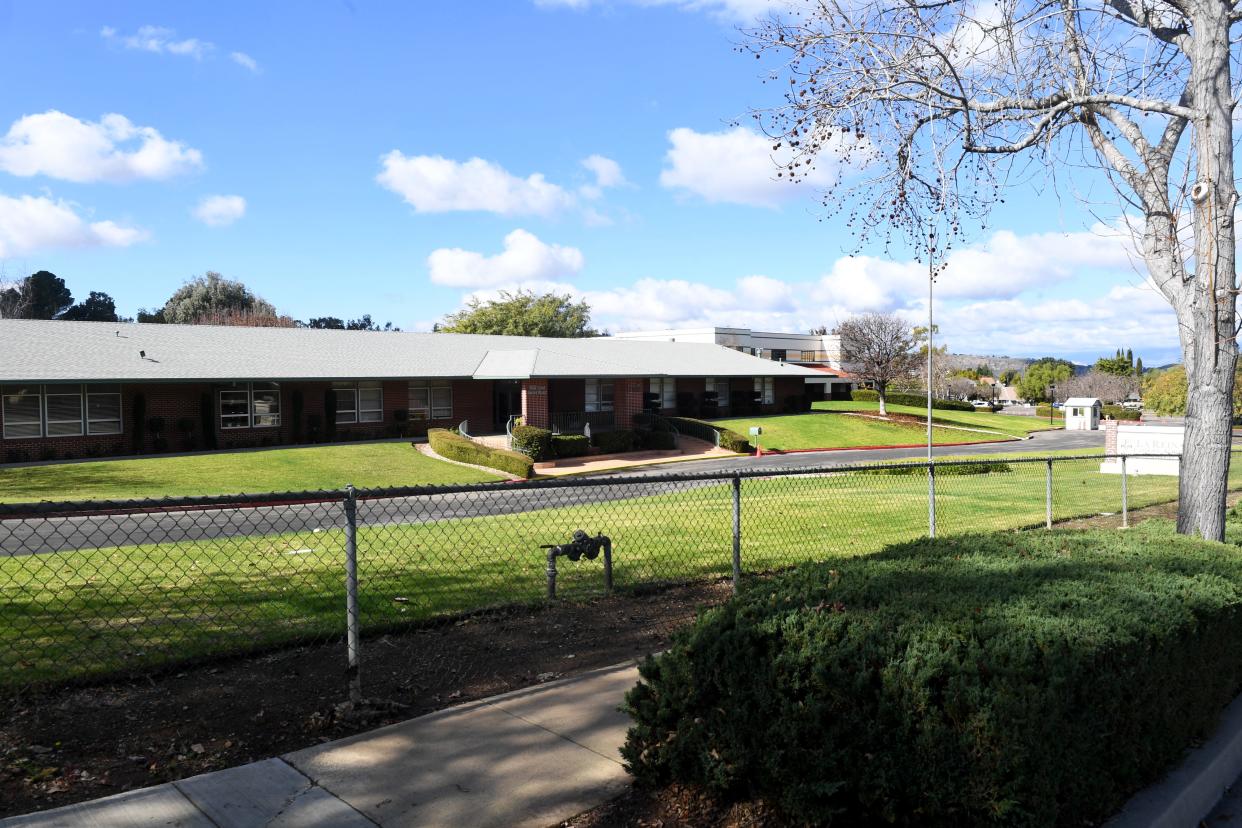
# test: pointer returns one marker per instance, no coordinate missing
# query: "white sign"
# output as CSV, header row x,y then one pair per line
x,y
1147,439
755,431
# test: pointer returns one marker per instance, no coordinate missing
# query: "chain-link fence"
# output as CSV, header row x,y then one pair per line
x,y
95,590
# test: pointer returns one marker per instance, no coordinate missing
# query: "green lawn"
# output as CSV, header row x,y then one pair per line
x,y
1005,423
267,470
96,611
835,429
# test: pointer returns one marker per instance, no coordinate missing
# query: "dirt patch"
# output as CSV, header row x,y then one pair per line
x,y
912,421
1167,511
676,805
76,744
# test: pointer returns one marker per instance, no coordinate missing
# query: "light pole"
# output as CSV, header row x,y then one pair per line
x,y
1052,399
931,352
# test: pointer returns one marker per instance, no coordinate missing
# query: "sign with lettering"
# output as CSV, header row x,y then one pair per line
x,y
1147,439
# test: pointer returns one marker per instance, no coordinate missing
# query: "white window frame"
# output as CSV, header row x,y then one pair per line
x,y
715,384
599,395
369,412
246,389
38,396
340,389
765,387
433,408
667,390
80,420
120,409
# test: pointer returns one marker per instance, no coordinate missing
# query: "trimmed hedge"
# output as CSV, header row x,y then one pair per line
x,y
1118,412
455,447
867,395
1015,679
1043,411
535,443
729,439
570,445
947,470
657,440
615,442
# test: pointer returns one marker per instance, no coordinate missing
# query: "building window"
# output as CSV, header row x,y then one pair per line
x,y
778,354
433,399
808,356
22,412
103,409
721,388
666,388
765,389
60,410
250,405
359,402
599,395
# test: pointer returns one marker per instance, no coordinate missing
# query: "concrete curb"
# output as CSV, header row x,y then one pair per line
x,y
1189,792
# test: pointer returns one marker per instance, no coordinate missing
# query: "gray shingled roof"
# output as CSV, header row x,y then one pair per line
x,y
55,351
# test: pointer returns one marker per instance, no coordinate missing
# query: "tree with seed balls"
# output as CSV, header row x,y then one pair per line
x,y
940,105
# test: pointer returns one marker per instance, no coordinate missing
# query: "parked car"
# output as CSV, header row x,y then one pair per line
x,y
1133,405
981,404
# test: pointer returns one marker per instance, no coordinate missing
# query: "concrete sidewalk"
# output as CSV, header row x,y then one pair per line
x,y
532,758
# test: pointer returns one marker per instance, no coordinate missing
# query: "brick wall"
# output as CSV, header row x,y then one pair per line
x,y
535,403
628,400
472,400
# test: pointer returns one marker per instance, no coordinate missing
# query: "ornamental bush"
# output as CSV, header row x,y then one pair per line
x,y
570,445
893,398
1118,412
614,442
1015,679
464,450
535,443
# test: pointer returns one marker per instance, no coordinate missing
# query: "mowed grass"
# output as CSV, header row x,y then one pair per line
x,y
836,429
1011,424
72,614
366,465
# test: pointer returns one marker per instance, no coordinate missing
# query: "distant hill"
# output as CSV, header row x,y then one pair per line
x,y
998,364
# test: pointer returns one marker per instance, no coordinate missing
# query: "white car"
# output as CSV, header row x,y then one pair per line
x,y
981,404
1133,405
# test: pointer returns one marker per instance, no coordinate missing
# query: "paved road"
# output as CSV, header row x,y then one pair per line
x,y
36,536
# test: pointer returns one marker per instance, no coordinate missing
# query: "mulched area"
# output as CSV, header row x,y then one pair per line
x,y
676,805
82,743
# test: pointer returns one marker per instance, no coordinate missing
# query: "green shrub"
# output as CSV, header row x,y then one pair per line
x,y
918,400
1011,679
614,442
535,443
1045,410
464,450
728,438
570,445
948,469
1118,412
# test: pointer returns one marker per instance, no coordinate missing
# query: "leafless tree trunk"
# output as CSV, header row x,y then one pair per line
x,y
939,103
881,349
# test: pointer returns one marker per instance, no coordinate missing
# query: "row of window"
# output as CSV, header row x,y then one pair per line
x,y
666,387
433,401
60,410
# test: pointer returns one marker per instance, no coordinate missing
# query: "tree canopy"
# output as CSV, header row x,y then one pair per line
x,y
1039,375
522,314
41,295
210,297
98,307
881,348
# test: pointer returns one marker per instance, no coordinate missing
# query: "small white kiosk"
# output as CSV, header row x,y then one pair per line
x,y
1082,413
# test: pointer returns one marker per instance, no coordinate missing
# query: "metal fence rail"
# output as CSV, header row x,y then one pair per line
x,y
93,590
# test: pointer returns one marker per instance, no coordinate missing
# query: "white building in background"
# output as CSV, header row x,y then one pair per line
x,y
1082,414
820,352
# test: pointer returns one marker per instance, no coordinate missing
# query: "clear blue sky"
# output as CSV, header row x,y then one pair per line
x,y
322,153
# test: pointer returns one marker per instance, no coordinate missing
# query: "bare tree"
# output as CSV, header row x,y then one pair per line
x,y
944,104
880,348
1110,388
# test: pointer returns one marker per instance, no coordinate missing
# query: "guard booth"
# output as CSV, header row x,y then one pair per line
x,y
1082,413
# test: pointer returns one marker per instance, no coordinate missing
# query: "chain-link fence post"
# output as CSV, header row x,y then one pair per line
x,y
1125,498
351,594
737,532
1048,486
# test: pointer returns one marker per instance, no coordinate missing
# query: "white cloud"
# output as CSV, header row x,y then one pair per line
x,y
244,60
607,174
33,223
435,184
524,260
739,166
220,210
110,149
159,40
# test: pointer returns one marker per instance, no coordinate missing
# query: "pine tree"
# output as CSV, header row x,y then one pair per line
x,y
1138,367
